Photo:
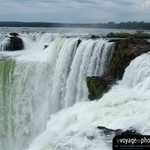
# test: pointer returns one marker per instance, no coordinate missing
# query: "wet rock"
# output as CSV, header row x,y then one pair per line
x,y
78,43
125,51
15,42
45,46
97,86
130,132
107,131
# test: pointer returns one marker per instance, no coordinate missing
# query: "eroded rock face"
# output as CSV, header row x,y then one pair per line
x,y
125,51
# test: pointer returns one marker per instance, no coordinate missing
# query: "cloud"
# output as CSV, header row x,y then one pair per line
x,y
75,10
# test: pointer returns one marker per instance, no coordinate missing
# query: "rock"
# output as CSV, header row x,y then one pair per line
x,y
130,132
125,51
107,131
113,39
97,86
45,46
94,36
15,43
78,43
13,34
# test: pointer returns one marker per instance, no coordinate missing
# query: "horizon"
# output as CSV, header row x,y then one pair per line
x,y
76,22
75,11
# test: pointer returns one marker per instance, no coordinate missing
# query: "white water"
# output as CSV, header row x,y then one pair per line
x,y
36,83
4,41
29,39
125,105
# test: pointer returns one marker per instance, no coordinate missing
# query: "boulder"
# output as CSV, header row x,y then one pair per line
x,y
97,86
15,43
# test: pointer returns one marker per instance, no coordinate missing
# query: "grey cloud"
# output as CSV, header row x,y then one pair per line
x,y
75,10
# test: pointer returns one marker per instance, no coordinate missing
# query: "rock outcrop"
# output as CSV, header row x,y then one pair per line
x,y
125,51
15,43
97,86
107,131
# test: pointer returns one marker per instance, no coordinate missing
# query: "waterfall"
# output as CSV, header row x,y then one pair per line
x,y
36,83
29,39
4,43
125,105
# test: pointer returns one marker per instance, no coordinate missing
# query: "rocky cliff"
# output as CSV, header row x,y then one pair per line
x,y
125,51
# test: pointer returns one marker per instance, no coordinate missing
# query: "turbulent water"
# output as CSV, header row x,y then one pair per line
x,y
36,83
125,106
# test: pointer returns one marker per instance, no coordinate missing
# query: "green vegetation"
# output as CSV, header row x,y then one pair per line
x,y
110,25
97,86
138,34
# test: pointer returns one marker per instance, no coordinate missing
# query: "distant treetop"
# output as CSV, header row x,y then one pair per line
x,y
110,25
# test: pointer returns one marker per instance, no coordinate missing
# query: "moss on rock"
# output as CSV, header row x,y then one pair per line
x,y
97,86
125,51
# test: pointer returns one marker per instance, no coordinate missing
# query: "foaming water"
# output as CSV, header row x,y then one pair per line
x,y
29,39
37,82
4,43
125,105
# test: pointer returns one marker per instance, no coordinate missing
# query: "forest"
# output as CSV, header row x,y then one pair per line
x,y
110,25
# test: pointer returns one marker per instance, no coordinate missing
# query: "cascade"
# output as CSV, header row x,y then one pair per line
x,y
4,43
39,37
117,109
36,83
28,39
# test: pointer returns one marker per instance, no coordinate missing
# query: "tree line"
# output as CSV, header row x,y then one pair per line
x,y
110,25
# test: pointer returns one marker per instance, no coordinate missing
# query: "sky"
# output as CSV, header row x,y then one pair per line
x,y
75,11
